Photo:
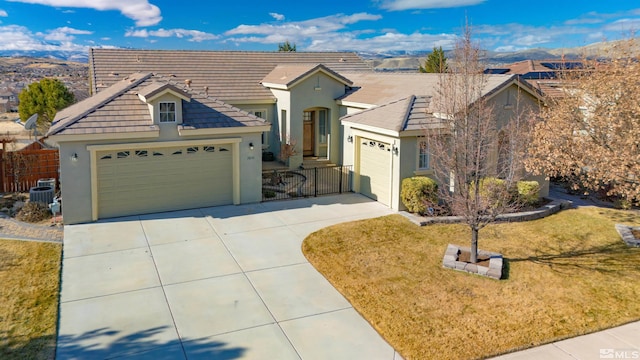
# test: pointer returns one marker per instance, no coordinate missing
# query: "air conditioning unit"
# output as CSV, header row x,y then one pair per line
x,y
43,194
50,182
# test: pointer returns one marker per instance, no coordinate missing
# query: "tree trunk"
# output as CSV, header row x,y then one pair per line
x,y
474,246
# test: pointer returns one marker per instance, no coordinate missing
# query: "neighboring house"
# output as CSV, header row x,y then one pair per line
x,y
544,75
331,106
8,100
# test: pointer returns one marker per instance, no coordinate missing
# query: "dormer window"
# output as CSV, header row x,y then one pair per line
x,y
167,112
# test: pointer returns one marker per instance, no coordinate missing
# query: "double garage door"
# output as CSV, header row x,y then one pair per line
x,y
138,181
375,170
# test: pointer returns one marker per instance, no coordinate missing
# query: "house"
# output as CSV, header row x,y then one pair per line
x,y
8,100
149,144
544,75
167,130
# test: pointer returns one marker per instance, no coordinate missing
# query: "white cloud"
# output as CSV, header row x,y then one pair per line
x,y
299,31
398,5
15,37
144,13
332,33
596,36
509,48
192,35
385,42
277,16
623,26
3,13
63,34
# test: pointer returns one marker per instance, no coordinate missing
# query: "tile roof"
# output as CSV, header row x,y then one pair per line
x,y
410,113
289,74
231,76
411,99
118,109
382,88
156,88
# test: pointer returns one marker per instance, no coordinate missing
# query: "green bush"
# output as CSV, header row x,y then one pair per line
x,y
493,191
269,194
528,192
418,193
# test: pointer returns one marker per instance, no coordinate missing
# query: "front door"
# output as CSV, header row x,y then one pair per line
x,y
308,140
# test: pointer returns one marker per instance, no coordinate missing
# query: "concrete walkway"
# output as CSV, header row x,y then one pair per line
x,y
622,342
230,283
218,283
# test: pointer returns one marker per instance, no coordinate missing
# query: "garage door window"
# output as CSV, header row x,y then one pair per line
x,y
167,112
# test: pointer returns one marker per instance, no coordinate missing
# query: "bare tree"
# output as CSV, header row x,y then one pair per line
x,y
591,132
476,160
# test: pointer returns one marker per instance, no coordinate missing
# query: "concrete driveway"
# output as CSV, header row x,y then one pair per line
x,y
216,283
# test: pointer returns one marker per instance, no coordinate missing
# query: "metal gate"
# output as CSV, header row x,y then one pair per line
x,y
291,184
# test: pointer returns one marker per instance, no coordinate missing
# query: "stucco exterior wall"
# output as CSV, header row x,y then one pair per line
x,y
351,156
317,91
75,176
272,117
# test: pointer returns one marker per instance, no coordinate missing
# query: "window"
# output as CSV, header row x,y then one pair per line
x,y
261,114
322,126
423,155
167,112
283,126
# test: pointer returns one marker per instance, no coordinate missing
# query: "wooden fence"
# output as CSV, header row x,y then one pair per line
x,y
21,170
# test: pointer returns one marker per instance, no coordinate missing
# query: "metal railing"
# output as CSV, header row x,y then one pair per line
x,y
291,184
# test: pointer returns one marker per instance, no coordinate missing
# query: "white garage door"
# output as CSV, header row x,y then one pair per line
x,y
375,170
138,181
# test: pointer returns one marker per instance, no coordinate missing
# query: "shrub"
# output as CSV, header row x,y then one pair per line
x,y
622,204
528,192
34,212
269,194
493,191
419,193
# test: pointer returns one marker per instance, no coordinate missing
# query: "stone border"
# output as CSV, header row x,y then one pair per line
x,y
494,271
551,208
627,235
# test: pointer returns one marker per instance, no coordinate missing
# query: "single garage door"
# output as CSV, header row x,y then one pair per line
x,y
139,181
375,170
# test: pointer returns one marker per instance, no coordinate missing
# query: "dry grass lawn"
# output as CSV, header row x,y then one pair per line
x,y
568,274
29,278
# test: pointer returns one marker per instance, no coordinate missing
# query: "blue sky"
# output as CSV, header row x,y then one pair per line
x,y
358,25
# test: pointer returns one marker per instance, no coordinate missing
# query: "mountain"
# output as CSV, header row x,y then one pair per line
x,y
75,56
394,60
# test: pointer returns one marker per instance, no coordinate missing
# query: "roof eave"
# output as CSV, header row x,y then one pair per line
x,y
370,128
186,132
60,138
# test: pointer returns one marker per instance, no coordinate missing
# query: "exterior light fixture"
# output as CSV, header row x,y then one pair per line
x,y
74,157
396,150
251,146
350,138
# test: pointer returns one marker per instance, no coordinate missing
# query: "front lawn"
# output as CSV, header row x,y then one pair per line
x,y
566,275
29,279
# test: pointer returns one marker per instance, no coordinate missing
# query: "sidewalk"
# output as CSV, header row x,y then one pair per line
x,y
622,342
13,229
